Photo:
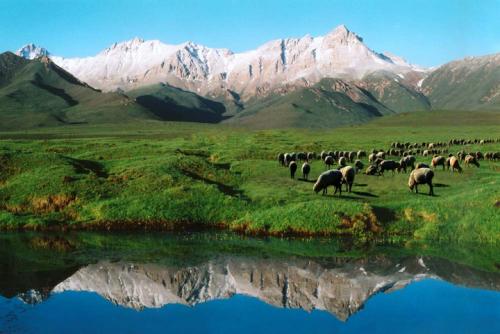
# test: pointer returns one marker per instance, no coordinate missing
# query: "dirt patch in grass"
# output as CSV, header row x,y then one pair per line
x,y
52,203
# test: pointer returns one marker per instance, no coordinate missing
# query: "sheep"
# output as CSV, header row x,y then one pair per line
x,y
329,178
348,174
380,155
361,154
358,165
402,165
479,155
438,161
342,161
378,161
421,165
421,176
352,156
425,153
311,156
388,165
301,156
306,168
281,159
454,164
293,169
410,161
288,159
470,159
329,161
371,157
323,155
371,170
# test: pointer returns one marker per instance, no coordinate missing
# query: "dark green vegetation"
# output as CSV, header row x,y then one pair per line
x,y
37,93
178,175
173,104
329,102
468,84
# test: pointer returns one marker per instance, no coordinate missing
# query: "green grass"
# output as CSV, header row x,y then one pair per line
x,y
178,175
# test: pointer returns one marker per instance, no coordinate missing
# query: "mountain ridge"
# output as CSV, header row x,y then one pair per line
x,y
210,71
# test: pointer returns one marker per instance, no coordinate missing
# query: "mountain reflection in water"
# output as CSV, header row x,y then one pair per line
x,y
340,286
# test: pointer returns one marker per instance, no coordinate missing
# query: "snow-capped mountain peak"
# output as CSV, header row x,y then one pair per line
x,y
31,51
209,71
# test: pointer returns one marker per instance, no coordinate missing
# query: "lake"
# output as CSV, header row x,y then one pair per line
x,y
224,283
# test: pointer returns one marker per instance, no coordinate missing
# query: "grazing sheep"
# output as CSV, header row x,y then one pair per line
x,y
388,165
348,174
371,170
378,161
329,178
479,155
342,161
454,164
402,165
371,157
352,156
380,155
461,155
293,169
421,176
361,154
301,156
358,165
425,153
311,156
438,161
329,161
323,155
281,159
306,168
471,160
421,165
410,161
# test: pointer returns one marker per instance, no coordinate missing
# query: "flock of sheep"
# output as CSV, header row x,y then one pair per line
x,y
379,163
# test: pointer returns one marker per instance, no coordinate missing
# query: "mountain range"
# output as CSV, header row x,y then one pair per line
x,y
323,81
340,288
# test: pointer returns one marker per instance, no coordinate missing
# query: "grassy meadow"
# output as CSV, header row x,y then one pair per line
x,y
154,175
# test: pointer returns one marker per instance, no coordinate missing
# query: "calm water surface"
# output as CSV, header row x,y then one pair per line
x,y
222,283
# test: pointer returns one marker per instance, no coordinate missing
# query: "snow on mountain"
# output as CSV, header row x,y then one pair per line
x,y
341,291
31,51
304,61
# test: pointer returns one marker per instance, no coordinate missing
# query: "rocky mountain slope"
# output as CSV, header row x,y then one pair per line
x,y
318,82
341,289
206,71
307,285
468,84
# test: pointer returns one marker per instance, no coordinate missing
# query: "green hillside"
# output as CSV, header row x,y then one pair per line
x,y
468,84
161,175
396,94
39,93
329,103
174,104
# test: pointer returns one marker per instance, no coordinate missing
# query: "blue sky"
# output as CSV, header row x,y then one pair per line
x,y
423,31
